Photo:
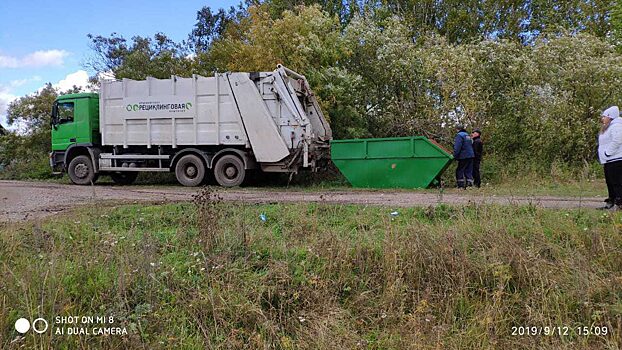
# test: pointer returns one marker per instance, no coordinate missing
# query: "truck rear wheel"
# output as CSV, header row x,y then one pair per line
x,y
81,171
229,171
190,170
124,178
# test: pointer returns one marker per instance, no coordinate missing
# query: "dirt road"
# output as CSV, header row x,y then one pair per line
x,y
21,200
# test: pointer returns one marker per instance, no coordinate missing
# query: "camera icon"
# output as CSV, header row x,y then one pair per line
x,y
39,325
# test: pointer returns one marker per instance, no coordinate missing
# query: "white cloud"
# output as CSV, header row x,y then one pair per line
x,y
79,78
42,58
107,75
5,98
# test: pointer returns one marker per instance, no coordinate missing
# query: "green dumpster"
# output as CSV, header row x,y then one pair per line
x,y
401,162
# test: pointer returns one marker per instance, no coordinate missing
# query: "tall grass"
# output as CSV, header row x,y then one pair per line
x,y
316,276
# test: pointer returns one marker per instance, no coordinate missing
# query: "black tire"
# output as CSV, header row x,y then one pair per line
x,y
124,177
81,171
190,170
229,171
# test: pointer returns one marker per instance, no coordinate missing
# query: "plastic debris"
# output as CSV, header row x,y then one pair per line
x,y
263,217
395,213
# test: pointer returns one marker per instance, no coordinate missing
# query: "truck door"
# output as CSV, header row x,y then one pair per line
x,y
64,126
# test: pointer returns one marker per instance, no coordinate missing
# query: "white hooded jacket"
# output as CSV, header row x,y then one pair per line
x,y
610,142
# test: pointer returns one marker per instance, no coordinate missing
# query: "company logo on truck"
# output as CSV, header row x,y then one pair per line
x,y
158,106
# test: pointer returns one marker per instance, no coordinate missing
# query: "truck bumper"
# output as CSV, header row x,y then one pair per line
x,y
57,161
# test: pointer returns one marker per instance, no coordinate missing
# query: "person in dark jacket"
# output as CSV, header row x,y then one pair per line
x,y
478,149
463,153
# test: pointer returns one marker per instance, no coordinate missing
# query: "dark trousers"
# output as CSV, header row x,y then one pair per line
x,y
464,172
613,177
477,179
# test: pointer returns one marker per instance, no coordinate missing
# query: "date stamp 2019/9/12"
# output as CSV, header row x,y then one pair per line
x,y
560,331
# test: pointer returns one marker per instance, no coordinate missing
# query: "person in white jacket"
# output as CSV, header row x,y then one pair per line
x,y
610,155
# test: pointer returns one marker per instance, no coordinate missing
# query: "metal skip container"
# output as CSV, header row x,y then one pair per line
x,y
402,162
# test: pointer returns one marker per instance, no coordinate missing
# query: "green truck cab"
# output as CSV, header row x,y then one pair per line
x,y
75,132
75,121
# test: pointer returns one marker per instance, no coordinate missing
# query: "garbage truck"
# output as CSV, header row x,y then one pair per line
x,y
224,127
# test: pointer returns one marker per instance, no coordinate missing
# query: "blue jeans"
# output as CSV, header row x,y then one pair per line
x,y
464,172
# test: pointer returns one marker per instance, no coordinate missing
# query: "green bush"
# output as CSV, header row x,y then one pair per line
x,y
25,156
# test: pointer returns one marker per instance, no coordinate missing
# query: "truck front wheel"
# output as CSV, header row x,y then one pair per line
x,y
81,171
229,171
190,170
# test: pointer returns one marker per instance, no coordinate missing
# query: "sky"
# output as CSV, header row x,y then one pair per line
x,y
46,41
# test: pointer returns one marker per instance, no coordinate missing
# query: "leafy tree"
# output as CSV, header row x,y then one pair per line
x,y
384,57
211,25
24,153
32,112
555,16
522,20
159,57
576,79
305,40
345,10
616,24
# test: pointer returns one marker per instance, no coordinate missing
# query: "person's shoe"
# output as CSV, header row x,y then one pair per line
x,y
607,206
609,203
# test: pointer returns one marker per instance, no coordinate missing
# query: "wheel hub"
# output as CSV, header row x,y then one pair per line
x,y
231,172
191,171
81,170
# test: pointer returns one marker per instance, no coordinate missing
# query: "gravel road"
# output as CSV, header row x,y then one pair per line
x,y
20,200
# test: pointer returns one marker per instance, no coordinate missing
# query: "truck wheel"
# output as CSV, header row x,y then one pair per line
x,y
229,171
190,170
124,177
81,171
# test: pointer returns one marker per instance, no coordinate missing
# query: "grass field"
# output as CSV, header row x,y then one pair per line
x,y
315,276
